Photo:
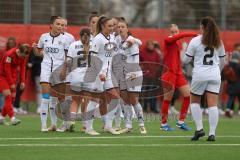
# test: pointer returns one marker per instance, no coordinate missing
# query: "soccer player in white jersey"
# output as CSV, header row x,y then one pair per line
x,y
207,52
80,59
132,77
69,38
52,46
106,48
86,104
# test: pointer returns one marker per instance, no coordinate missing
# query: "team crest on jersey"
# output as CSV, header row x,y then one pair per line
x,y
9,60
125,45
110,47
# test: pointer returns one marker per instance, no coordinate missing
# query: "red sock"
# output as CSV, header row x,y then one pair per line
x,y
8,108
164,111
184,109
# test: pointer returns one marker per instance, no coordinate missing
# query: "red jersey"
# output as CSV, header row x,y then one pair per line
x,y
172,51
9,65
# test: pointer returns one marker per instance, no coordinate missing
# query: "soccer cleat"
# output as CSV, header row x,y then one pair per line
x,y
125,130
183,126
111,130
44,129
166,128
64,128
15,122
143,130
92,132
52,128
211,138
117,128
3,122
198,134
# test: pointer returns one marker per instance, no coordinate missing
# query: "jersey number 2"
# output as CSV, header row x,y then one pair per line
x,y
207,58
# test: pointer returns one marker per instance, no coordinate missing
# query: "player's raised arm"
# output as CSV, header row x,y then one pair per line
x,y
175,35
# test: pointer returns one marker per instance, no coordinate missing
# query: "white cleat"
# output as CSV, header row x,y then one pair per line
x,y
3,122
92,132
125,130
117,129
143,130
111,130
64,128
15,122
44,129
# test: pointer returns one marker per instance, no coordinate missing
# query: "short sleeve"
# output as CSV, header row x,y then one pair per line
x,y
221,51
40,42
70,51
191,49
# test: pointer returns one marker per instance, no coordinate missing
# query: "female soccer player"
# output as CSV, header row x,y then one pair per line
x,y
80,59
52,46
132,75
207,52
13,59
175,77
106,48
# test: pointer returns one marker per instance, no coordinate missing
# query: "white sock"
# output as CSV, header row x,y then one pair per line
x,y
213,116
44,112
139,112
89,125
52,110
112,108
118,116
128,113
197,115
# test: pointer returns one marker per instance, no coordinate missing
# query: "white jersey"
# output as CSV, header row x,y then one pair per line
x,y
106,48
131,53
53,48
69,38
206,60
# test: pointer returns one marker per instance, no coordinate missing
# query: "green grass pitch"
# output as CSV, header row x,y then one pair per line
x,y
26,142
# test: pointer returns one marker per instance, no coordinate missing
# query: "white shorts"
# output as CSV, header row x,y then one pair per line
x,y
199,87
50,73
134,85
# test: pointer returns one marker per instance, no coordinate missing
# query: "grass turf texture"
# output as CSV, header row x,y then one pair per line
x,y
27,142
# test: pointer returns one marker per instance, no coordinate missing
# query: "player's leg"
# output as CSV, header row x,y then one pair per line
x,y
197,90
184,90
134,101
52,111
212,93
44,105
170,78
127,112
112,99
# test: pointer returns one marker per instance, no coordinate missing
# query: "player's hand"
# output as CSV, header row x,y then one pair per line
x,y
102,77
34,45
131,42
13,87
22,86
133,76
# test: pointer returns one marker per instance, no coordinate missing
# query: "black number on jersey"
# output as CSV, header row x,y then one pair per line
x,y
81,61
207,58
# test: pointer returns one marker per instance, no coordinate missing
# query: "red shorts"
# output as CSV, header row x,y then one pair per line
x,y
176,79
3,84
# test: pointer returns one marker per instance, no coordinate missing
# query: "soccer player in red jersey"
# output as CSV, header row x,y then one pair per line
x,y
175,77
11,61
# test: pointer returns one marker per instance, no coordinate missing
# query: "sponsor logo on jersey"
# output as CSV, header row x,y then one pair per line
x,y
51,50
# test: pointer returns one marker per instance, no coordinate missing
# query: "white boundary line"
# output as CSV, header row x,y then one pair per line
x,y
105,137
114,145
